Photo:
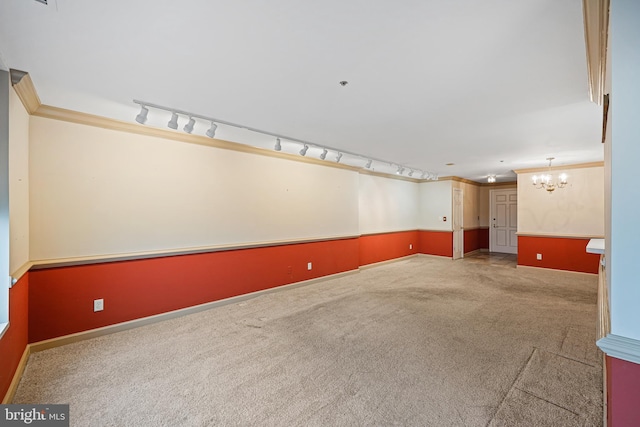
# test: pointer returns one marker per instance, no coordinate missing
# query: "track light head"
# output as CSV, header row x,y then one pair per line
x,y
212,130
173,123
303,152
188,128
338,157
324,154
411,172
400,170
142,117
278,146
368,165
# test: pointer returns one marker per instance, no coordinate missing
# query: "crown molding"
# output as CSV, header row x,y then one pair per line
x,y
23,85
479,184
596,29
563,167
620,347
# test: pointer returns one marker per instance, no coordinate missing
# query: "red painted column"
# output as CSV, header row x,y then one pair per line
x,y
623,393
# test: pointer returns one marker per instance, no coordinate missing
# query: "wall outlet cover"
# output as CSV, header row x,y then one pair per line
x,y
98,304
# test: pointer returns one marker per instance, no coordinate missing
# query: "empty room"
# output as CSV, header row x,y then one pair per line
x,y
319,213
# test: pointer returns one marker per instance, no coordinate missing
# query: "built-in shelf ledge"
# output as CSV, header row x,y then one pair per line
x,y
595,246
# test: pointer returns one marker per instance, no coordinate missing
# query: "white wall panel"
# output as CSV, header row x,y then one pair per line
x,y
101,192
18,182
435,199
387,204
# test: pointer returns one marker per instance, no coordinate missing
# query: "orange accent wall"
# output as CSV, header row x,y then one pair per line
x,y
476,239
14,340
61,299
557,253
436,243
382,247
623,392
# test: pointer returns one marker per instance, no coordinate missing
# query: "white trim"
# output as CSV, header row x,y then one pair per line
x,y
3,328
620,347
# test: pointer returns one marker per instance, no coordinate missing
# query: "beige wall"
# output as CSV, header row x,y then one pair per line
x,y
576,210
387,204
18,183
98,192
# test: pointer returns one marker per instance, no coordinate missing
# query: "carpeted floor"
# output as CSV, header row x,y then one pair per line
x,y
420,342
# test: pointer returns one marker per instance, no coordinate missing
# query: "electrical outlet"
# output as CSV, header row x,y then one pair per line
x,y
410,246
309,266
539,257
98,304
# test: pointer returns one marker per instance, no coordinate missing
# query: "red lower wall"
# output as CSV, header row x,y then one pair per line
x,y
436,242
14,340
61,299
382,247
475,239
558,253
623,393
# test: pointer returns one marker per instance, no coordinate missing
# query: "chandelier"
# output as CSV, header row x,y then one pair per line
x,y
547,181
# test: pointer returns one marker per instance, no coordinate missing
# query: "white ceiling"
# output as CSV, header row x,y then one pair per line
x,y
491,85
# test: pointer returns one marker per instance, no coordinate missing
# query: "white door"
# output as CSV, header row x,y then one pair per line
x,y
504,221
458,236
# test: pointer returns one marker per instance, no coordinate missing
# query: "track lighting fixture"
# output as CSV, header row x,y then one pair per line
x,y
173,123
491,179
188,128
142,117
212,130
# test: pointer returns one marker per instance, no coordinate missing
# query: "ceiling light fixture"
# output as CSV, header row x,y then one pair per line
x,y
189,127
212,130
411,172
547,181
173,123
142,117
491,179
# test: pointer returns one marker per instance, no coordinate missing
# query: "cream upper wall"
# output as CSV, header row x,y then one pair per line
x,y
576,210
387,204
18,183
435,201
97,192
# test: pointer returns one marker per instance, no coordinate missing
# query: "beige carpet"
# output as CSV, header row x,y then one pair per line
x,y
420,342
